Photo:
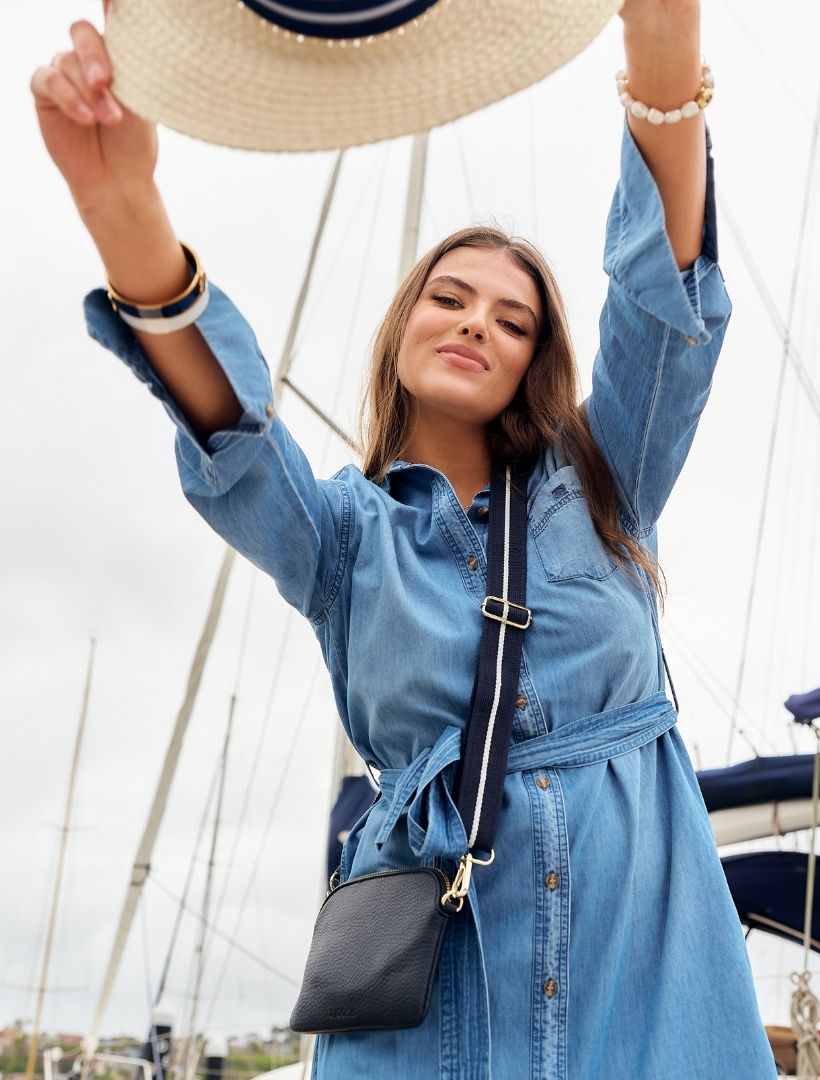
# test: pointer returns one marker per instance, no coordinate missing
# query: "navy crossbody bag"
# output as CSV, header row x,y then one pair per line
x,y
377,939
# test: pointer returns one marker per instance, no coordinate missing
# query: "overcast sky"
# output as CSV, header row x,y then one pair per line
x,y
97,539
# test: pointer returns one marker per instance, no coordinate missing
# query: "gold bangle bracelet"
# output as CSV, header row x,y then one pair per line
x,y
196,285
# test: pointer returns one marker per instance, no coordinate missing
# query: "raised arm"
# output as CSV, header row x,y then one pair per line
x,y
238,464
662,46
108,156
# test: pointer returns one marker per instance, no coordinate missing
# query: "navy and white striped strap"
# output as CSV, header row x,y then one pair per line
x,y
480,784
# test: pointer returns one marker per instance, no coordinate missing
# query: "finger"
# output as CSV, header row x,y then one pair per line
x,y
92,54
52,89
102,102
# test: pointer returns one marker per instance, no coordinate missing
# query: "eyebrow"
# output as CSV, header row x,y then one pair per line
x,y
517,305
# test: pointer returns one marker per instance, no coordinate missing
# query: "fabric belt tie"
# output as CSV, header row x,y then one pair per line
x,y
435,830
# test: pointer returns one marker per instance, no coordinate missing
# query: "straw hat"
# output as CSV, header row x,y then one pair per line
x,y
318,74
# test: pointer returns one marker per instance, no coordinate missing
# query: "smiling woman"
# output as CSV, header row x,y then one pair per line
x,y
473,365
601,940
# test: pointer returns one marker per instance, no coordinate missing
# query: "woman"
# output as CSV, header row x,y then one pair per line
x,y
602,942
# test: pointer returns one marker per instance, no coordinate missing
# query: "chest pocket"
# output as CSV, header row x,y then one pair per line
x,y
562,531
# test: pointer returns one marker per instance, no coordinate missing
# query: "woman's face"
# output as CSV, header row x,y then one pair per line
x,y
471,335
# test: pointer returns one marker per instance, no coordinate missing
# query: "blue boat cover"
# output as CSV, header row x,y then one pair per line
x,y
355,796
769,891
805,707
763,779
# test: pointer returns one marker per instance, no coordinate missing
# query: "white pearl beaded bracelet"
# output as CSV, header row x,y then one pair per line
x,y
657,116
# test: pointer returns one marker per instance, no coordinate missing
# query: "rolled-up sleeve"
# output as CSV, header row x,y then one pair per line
x,y
661,331
252,482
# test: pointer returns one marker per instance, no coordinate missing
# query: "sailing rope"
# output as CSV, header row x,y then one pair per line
x,y
786,357
805,1006
222,934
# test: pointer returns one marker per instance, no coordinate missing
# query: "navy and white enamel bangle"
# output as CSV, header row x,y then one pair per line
x,y
170,315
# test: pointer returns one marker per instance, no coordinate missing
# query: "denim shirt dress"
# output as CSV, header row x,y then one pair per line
x,y
603,941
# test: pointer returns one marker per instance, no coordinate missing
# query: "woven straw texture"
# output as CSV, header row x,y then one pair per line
x,y
216,70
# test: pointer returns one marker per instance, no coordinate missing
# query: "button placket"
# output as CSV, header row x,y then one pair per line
x,y
459,535
551,927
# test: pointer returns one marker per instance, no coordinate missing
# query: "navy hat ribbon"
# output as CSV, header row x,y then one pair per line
x,y
339,18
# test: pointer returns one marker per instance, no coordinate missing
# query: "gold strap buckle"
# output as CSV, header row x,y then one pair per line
x,y
505,618
461,882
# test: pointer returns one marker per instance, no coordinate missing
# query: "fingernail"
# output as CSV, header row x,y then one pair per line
x,y
84,111
95,73
108,108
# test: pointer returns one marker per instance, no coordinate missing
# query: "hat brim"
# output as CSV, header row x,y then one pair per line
x,y
219,72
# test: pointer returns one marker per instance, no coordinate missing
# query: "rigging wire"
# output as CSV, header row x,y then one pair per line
x,y
166,967
192,1042
812,333
357,301
142,861
792,354
775,425
318,294
781,579
258,860
222,934
701,669
146,962
812,547
256,760
765,56
243,641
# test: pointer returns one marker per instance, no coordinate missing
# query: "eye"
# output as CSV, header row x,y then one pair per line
x,y
513,327
448,301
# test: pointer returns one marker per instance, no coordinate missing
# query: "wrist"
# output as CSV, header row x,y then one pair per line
x,y
100,207
142,256
658,16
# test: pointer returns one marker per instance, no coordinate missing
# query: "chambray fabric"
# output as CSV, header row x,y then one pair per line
x,y
603,941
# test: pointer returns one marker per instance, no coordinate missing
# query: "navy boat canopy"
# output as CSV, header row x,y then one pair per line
x,y
769,891
355,796
805,707
762,779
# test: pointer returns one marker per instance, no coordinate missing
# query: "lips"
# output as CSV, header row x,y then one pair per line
x,y
463,356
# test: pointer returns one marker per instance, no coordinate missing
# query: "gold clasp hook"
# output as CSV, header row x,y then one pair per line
x,y
461,882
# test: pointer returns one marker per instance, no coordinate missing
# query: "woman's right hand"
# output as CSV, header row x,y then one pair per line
x,y
108,156
103,150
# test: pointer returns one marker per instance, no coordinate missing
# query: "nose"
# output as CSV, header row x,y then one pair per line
x,y
473,328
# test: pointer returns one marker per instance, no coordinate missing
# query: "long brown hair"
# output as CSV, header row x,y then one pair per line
x,y
545,409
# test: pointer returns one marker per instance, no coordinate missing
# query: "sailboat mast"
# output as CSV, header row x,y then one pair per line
x,y
142,862
55,900
415,198
192,1042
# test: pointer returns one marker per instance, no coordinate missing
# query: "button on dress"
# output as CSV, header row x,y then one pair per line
x,y
602,943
